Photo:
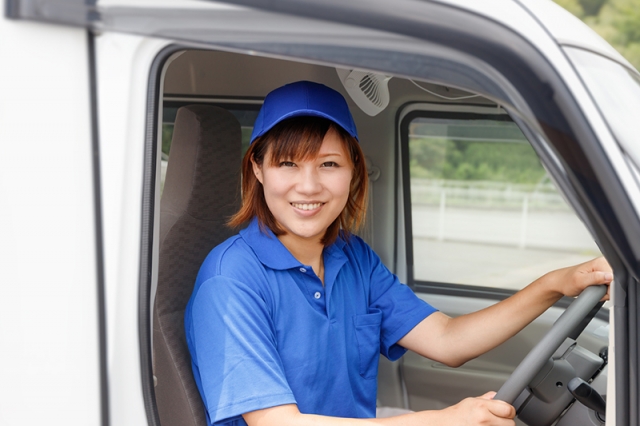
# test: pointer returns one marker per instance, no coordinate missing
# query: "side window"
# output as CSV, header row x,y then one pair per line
x,y
484,212
245,112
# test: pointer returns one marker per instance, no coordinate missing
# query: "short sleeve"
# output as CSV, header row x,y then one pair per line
x,y
401,309
233,349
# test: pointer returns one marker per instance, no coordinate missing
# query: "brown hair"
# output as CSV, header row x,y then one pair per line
x,y
300,138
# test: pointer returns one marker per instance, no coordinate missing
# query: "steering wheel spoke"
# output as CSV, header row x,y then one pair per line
x,y
541,352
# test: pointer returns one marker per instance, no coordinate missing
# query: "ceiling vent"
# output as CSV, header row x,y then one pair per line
x,y
370,91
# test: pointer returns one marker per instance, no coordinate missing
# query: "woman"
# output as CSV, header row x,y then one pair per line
x,y
288,317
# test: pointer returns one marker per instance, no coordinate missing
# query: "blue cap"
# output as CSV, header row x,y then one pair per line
x,y
303,98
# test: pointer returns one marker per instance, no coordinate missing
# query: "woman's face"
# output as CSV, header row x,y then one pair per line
x,y
306,196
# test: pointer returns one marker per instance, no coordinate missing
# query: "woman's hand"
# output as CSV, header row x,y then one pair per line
x,y
483,410
571,281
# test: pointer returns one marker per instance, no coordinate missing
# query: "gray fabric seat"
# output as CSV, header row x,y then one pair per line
x,y
202,190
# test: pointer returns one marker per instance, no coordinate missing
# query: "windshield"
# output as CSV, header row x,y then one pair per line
x,y
616,90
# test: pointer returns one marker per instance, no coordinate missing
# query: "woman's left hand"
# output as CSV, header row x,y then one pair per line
x,y
571,281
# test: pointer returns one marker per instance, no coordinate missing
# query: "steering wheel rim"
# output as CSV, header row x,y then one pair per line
x,y
550,342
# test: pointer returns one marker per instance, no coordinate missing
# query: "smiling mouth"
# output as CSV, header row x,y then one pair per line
x,y
306,206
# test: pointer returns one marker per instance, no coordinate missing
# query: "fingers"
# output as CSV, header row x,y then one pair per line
x,y
596,277
498,408
595,272
600,277
502,409
573,280
488,395
483,410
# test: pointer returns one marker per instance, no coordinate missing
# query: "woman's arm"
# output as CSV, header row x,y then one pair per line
x,y
454,341
469,412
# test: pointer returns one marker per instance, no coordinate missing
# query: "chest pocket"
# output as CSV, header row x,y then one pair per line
x,y
367,330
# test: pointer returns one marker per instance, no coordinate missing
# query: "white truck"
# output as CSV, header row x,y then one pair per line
x,y
502,140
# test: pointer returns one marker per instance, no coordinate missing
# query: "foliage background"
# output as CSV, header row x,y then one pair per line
x,y
617,21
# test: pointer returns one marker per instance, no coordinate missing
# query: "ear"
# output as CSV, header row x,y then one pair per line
x,y
257,169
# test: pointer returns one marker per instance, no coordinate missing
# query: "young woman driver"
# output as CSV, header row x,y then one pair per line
x,y
288,317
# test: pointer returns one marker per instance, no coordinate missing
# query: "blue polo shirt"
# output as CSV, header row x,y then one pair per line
x,y
263,331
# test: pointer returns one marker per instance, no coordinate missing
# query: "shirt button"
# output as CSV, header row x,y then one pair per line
x,y
303,270
317,295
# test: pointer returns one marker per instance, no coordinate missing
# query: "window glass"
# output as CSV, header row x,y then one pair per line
x,y
484,211
616,91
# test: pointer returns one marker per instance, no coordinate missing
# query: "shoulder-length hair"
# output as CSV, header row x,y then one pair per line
x,y
300,138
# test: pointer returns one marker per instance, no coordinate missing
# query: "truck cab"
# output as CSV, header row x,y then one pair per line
x,y
500,140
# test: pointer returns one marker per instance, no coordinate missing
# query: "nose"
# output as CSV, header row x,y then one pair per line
x,y
308,181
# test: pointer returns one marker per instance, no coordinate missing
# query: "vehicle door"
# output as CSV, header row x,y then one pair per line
x,y
450,44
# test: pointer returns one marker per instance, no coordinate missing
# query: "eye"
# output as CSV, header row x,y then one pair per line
x,y
330,164
287,164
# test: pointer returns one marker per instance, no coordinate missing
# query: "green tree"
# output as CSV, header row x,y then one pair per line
x,y
592,7
439,158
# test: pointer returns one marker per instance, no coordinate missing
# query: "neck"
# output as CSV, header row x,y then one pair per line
x,y
306,251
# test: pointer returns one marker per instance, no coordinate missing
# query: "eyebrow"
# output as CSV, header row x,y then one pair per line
x,y
330,154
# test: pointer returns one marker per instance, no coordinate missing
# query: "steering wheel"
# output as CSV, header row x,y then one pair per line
x,y
542,351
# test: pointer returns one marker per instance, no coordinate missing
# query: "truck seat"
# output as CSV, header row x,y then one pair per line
x,y
201,192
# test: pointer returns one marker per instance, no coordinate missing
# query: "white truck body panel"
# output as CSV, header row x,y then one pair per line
x,y
49,363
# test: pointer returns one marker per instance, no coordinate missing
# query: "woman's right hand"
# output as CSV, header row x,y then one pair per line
x,y
483,410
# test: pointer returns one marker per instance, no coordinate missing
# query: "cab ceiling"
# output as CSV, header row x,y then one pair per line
x,y
223,74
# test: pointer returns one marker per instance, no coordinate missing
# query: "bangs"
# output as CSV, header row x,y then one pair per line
x,y
299,138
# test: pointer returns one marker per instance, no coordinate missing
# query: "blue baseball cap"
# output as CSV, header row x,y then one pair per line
x,y
303,98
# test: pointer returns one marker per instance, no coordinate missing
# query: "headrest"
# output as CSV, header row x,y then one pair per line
x,y
205,159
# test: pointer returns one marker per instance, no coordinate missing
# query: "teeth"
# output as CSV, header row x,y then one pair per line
x,y
306,206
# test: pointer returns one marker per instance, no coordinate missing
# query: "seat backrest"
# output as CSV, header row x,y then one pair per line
x,y
201,192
